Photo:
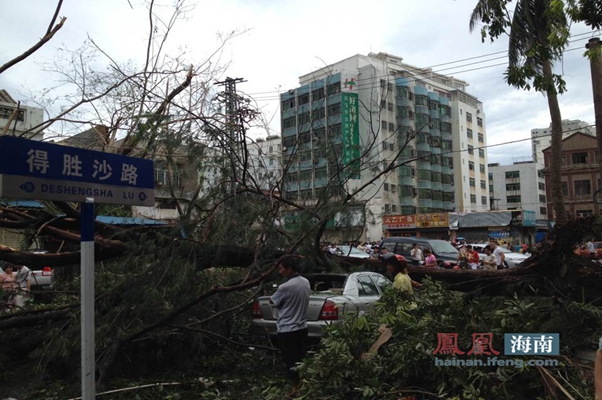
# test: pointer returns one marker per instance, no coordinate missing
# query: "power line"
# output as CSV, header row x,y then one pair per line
x,y
417,74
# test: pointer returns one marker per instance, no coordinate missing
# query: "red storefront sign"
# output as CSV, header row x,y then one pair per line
x,y
399,222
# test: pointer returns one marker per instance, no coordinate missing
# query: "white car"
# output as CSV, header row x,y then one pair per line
x,y
512,259
351,252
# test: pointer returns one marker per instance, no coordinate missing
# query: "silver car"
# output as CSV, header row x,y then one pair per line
x,y
333,296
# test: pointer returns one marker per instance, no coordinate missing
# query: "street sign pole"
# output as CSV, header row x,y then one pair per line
x,y
88,367
38,170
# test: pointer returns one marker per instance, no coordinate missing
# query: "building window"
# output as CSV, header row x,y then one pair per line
x,y
473,199
470,150
383,83
383,124
386,187
320,173
304,118
579,158
289,123
479,121
389,87
402,91
480,136
318,94
471,165
483,184
512,174
541,186
387,208
512,186
446,127
543,210
583,187
394,208
469,133
482,168
334,109
271,149
271,161
334,88
304,99
391,127
484,200
421,100
468,117
513,199
542,198
393,188
288,104
390,106
583,213
481,153
472,182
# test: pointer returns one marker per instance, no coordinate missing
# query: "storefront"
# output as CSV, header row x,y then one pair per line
x,y
433,226
399,225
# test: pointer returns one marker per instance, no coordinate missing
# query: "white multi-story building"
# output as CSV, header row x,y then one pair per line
x,y
541,138
265,160
26,118
375,107
518,186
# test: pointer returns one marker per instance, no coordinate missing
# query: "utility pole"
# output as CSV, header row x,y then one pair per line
x,y
234,123
595,60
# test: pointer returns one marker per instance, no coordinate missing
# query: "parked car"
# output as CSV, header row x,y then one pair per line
x,y
512,259
333,296
349,251
443,251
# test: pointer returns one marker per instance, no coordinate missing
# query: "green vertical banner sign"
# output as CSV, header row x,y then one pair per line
x,y
351,134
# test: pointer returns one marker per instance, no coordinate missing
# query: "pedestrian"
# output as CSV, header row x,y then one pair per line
x,y
500,257
292,301
23,279
416,254
462,257
8,288
489,262
397,267
430,261
472,257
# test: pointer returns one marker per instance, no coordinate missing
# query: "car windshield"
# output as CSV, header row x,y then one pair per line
x,y
354,251
442,247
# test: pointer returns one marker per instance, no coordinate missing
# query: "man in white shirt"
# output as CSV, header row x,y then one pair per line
x,y
500,257
416,254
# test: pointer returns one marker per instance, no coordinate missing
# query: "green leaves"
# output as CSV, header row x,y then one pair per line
x,y
336,371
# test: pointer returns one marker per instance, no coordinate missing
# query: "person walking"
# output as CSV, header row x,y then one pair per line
x,y
292,301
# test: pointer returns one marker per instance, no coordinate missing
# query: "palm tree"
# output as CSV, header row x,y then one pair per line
x,y
538,33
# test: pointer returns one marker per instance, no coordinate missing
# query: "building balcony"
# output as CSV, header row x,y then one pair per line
x,y
424,184
405,180
436,204
581,197
407,201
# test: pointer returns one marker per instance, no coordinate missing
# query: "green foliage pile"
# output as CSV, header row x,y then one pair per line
x,y
405,365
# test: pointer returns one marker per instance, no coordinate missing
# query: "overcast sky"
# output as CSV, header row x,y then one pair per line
x,y
286,39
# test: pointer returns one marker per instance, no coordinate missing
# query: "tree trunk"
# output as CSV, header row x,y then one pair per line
x,y
560,215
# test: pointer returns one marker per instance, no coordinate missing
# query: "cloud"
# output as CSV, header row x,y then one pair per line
x,y
289,38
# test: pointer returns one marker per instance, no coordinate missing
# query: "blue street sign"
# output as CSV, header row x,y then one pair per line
x,y
38,170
